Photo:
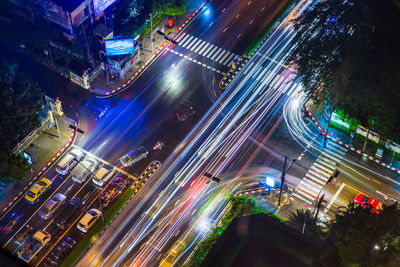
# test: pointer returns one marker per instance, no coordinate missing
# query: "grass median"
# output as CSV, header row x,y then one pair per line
x,y
92,235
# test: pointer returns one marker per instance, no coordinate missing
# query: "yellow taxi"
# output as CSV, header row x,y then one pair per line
x,y
37,190
173,254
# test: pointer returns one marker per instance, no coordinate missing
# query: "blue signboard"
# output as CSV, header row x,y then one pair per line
x,y
119,46
101,5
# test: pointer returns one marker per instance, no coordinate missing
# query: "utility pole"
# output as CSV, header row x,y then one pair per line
x,y
282,181
319,207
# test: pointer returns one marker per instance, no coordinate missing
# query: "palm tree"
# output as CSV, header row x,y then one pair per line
x,y
304,221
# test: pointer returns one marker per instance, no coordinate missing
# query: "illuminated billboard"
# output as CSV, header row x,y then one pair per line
x,y
119,46
101,5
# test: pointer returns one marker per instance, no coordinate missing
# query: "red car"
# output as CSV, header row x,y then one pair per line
x,y
364,201
113,189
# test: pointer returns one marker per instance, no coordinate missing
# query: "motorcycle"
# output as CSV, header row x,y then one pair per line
x,y
158,145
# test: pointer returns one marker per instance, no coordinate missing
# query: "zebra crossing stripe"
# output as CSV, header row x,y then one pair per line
x,y
306,194
326,169
326,162
338,146
309,186
229,59
187,41
315,179
334,149
334,154
300,197
321,172
211,51
223,52
204,48
317,174
199,46
181,37
216,53
222,59
330,156
192,43
313,184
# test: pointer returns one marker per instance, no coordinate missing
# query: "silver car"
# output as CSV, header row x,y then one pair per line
x,y
83,170
51,206
134,156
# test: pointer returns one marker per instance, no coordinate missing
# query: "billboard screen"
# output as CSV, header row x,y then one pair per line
x,y
100,5
119,46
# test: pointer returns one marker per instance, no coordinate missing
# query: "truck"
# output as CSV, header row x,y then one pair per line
x,y
33,246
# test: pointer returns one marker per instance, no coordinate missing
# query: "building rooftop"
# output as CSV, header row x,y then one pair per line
x,y
69,5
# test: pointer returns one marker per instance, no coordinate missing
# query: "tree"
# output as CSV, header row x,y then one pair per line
x,y
21,100
347,53
170,7
304,219
363,238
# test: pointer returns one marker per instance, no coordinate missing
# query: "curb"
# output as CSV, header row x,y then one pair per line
x,y
142,68
380,162
47,165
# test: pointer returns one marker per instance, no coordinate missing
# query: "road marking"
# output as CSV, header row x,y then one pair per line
x,y
376,181
380,193
194,61
334,197
353,188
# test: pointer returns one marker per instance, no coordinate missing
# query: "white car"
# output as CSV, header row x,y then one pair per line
x,y
67,162
83,170
103,175
134,156
88,220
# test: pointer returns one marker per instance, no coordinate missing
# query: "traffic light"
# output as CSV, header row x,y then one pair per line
x,y
213,178
58,107
170,22
335,174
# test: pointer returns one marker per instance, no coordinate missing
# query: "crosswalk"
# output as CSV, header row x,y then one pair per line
x,y
319,173
205,49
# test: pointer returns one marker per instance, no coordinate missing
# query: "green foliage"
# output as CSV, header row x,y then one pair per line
x,y
238,205
363,238
21,100
170,7
348,54
304,217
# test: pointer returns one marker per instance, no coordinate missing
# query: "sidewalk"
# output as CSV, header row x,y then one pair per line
x,y
44,150
352,143
100,86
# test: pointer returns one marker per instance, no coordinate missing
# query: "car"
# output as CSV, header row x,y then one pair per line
x,y
134,156
67,162
113,189
84,169
23,235
365,201
103,175
67,213
37,189
88,220
9,226
62,250
173,254
51,206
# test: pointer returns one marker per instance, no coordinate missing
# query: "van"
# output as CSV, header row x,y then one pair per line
x,y
103,175
67,162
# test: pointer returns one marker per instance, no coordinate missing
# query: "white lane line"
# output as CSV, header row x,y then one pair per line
x,y
334,197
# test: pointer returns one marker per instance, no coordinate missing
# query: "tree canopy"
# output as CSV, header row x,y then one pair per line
x,y
363,238
170,7
348,53
21,100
